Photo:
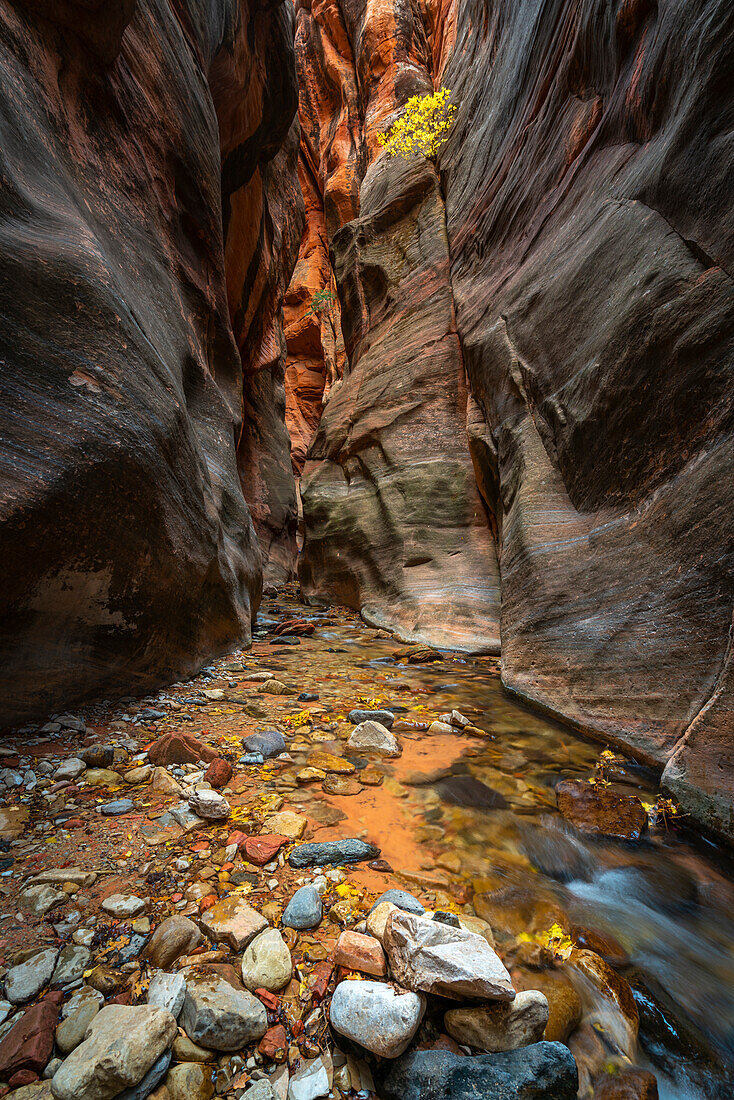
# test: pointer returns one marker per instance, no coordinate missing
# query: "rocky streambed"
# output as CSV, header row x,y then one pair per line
x,y
333,866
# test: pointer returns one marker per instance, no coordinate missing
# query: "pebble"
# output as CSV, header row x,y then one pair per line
x,y
24,982
123,905
167,991
500,1027
174,937
402,899
304,910
233,921
184,1050
220,1017
384,717
374,737
124,1042
266,743
102,777
260,1090
266,963
139,775
70,769
209,805
434,957
117,807
332,851
379,1017
42,899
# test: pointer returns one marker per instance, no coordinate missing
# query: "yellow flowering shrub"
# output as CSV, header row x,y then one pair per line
x,y
423,126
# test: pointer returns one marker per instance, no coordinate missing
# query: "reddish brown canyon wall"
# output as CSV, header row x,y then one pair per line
x,y
128,551
588,203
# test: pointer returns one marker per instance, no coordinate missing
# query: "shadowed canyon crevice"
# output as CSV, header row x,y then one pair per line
x,y
503,380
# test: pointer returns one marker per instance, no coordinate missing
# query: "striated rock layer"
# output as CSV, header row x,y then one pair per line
x,y
589,246
394,523
129,554
588,199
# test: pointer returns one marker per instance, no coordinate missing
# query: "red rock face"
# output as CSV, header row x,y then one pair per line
x,y
128,552
588,297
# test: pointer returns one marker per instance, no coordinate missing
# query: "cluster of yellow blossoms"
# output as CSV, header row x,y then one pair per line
x,y
423,126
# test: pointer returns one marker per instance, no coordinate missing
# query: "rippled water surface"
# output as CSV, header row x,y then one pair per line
x,y
667,901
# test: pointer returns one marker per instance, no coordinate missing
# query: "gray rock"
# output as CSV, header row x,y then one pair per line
x,y
332,851
122,1044
71,1031
209,804
98,756
116,807
42,899
311,1081
261,1090
71,964
451,962
183,815
267,743
402,899
266,963
379,1017
24,982
80,997
123,905
384,717
375,738
545,1071
151,1081
304,910
70,769
217,1016
167,991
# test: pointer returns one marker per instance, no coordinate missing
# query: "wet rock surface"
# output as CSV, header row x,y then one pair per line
x,y
161,908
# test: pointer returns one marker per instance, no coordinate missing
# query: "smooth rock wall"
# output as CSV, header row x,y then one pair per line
x,y
589,209
128,552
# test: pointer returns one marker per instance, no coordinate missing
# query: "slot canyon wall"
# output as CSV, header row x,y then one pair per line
x,y
532,436
151,218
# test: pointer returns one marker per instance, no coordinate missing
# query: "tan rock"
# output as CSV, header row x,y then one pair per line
x,y
190,1081
287,823
564,1003
122,1044
233,921
164,782
505,1026
266,963
101,777
378,918
185,1050
173,938
328,762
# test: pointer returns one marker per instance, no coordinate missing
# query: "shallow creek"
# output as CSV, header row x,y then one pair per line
x,y
632,943
668,901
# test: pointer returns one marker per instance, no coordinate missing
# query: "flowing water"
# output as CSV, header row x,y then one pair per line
x,y
668,901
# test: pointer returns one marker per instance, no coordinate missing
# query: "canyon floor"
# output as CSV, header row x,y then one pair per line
x,y
520,840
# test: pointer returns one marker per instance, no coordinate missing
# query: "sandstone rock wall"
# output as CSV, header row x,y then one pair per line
x,y
587,192
394,523
128,552
588,198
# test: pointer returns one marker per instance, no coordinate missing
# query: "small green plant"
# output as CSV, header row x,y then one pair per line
x,y
423,126
323,300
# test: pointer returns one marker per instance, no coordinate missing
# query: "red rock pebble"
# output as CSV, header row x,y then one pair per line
x,y
219,772
29,1045
274,1044
179,748
270,1000
22,1077
261,849
237,837
364,953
